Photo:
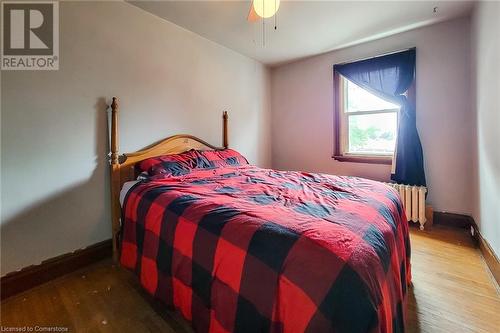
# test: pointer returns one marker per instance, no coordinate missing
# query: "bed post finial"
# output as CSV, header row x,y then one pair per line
x,y
115,180
224,129
114,131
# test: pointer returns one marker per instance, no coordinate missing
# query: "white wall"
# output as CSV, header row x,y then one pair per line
x,y
486,103
55,184
302,104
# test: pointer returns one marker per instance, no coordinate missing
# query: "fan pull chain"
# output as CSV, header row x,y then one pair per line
x,y
254,35
263,24
275,16
263,32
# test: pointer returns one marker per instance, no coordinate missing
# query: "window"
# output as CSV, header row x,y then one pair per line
x,y
366,125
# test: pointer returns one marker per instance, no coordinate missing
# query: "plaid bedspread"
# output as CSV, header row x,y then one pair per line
x,y
244,249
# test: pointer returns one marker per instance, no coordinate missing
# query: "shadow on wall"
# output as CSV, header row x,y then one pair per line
x,y
77,217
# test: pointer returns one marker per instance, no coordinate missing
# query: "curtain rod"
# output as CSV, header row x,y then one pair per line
x,y
377,56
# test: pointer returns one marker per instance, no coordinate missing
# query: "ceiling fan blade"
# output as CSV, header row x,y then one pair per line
x,y
252,15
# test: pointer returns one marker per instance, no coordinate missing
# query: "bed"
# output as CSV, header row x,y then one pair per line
x,y
238,248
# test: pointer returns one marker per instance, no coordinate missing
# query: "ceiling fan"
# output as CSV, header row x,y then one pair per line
x,y
262,9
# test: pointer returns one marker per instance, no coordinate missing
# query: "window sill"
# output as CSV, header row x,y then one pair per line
x,y
364,159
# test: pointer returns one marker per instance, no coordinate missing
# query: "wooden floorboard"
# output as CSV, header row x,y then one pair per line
x,y
452,291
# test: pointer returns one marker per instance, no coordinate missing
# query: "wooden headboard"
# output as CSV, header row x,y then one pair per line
x,y
123,166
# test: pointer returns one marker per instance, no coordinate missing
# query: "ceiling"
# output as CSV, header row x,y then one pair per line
x,y
304,28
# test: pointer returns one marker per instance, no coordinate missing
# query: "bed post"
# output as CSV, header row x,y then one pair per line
x,y
224,129
115,179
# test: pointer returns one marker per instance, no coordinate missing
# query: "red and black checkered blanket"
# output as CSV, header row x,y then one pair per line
x,y
244,249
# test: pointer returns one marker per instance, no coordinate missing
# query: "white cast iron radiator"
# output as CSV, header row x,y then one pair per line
x,y
413,198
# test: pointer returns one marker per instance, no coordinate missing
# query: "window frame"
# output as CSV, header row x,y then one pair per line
x,y
341,130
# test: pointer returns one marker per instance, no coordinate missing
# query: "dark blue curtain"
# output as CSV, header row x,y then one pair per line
x,y
389,77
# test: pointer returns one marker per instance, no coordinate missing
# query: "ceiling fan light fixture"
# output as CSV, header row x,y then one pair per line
x,y
266,8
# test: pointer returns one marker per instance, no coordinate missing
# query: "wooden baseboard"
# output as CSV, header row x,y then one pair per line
x,y
490,258
453,220
489,255
29,277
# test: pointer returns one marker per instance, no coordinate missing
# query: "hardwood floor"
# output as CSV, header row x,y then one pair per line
x,y
452,292
453,289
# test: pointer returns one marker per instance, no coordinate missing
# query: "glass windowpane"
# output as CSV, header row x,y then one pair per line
x,y
359,99
373,134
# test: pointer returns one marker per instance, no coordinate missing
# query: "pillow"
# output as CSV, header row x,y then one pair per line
x,y
176,164
220,158
184,163
143,176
